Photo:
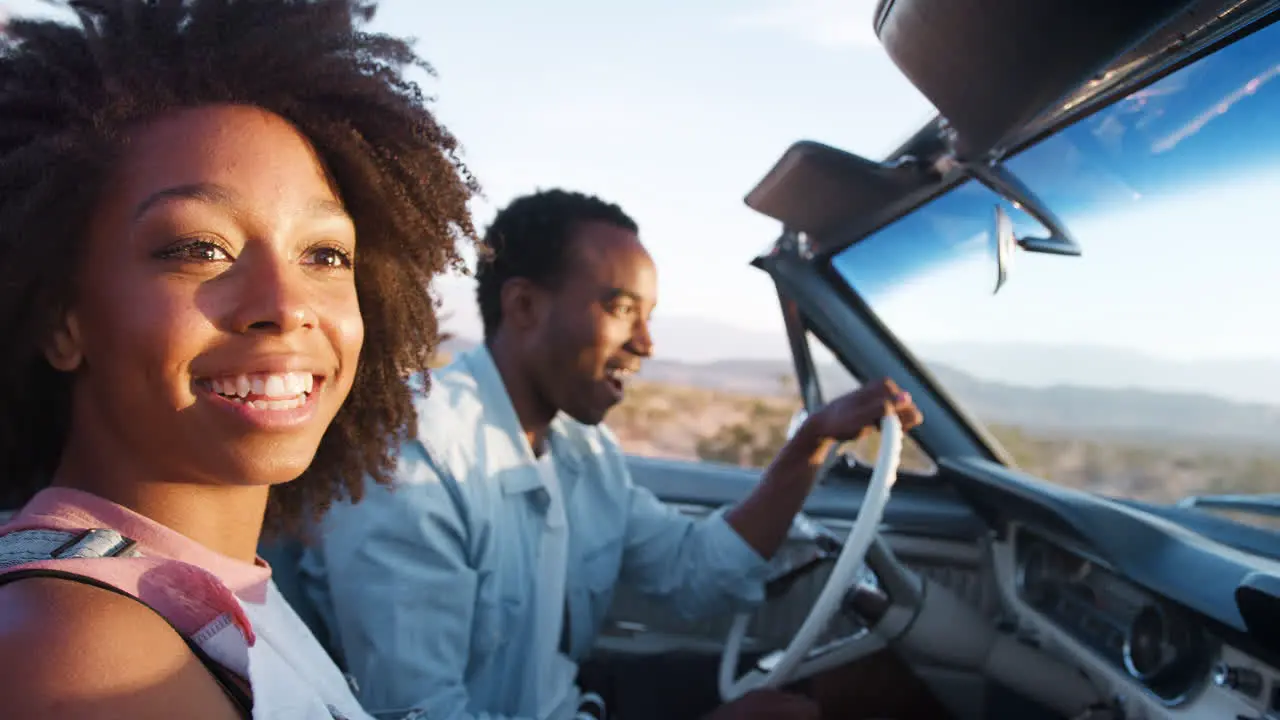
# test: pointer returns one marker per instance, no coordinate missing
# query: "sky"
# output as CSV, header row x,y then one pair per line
x,y
672,109
1211,304
1172,197
675,110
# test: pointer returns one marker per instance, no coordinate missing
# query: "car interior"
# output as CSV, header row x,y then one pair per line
x,y
1004,594
1007,595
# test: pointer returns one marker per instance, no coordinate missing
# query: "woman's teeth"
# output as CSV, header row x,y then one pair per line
x,y
618,375
277,391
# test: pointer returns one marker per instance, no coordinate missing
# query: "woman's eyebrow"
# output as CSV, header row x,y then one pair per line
x,y
617,293
215,194
210,193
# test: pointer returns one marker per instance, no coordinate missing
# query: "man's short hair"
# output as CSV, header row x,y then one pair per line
x,y
529,238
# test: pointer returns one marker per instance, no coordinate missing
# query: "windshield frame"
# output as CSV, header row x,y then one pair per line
x,y
865,347
931,138
844,284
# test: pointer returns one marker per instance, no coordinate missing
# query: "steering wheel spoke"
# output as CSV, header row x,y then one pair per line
x,y
828,655
800,659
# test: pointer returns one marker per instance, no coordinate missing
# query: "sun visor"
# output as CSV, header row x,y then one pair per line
x,y
817,189
990,67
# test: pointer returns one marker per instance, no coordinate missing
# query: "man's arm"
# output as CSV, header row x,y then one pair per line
x,y
403,592
700,567
764,518
697,567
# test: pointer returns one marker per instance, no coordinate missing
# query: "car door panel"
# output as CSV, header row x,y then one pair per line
x,y
935,512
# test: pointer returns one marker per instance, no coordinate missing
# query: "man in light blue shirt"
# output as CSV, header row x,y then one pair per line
x,y
473,588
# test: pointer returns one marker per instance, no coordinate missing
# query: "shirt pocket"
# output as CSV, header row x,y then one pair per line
x,y
590,583
500,616
599,569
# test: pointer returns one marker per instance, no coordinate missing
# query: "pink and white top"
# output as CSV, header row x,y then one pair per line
x,y
230,608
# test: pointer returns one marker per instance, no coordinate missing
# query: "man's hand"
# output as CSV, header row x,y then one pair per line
x,y
764,518
849,416
768,705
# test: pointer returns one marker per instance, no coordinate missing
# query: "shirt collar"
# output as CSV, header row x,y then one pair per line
x,y
500,414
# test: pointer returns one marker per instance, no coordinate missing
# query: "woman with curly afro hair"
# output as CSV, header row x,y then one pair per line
x,y
219,223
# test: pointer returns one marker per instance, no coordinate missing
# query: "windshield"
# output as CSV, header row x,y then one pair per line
x,y
1149,367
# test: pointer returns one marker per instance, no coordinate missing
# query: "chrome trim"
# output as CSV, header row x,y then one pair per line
x,y
1126,650
1020,570
842,526
1019,534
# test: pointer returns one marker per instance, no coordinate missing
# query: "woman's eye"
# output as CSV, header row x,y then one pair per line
x,y
196,251
331,257
622,311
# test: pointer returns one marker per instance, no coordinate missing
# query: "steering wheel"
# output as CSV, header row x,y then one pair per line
x,y
784,668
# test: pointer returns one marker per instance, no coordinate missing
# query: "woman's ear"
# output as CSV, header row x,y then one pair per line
x,y
63,350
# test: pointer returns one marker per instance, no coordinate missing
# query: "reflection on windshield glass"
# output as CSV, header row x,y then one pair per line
x,y
1149,367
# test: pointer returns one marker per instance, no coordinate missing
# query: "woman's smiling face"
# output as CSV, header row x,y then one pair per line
x,y
215,329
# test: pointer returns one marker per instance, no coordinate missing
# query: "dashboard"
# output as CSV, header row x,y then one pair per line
x,y
1174,654
1156,643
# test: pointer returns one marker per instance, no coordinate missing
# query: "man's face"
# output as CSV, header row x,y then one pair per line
x,y
595,328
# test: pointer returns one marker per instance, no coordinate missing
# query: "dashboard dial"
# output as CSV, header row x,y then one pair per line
x,y
1036,578
1145,645
1154,641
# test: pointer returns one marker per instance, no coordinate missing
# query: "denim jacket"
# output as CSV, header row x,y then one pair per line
x,y
427,588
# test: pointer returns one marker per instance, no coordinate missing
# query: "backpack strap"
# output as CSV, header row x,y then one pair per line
x,y
226,679
27,546
50,553
189,597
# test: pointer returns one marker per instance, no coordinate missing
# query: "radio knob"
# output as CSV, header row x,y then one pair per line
x,y
1243,680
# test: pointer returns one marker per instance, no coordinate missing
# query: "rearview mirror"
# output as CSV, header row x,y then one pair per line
x,y
1004,241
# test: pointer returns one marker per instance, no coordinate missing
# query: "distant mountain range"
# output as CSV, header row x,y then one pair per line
x,y
1244,380
1080,391
679,337
1080,410
697,340
1116,413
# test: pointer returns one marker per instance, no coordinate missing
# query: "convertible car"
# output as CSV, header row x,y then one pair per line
x,y
1098,173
